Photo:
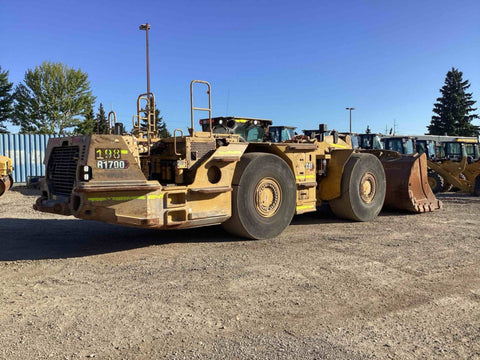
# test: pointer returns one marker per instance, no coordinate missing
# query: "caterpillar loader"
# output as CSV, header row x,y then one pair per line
x,y
458,165
453,162
6,179
234,178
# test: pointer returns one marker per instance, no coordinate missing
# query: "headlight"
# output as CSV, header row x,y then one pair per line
x,y
85,173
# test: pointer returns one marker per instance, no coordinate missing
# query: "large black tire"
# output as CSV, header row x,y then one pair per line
x,y
363,189
476,188
5,184
435,181
447,187
263,198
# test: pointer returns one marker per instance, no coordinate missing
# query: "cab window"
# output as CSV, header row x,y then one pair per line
x,y
453,149
408,147
255,134
394,145
421,147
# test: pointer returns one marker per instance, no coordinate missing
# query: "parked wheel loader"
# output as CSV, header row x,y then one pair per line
x,y
6,178
453,162
252,188
458,164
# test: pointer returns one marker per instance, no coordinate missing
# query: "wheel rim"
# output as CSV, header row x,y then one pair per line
x,y
368,187
268,197
432,182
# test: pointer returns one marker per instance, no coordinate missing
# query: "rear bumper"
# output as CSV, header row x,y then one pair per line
x,y
143,204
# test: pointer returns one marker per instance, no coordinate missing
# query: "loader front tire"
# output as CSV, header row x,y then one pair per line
x,y
362,190
435,181
263,197
476,188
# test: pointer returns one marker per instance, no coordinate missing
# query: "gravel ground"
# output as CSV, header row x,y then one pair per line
x,y
402,287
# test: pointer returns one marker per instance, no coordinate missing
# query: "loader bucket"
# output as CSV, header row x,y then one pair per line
x,y
407,182
6,183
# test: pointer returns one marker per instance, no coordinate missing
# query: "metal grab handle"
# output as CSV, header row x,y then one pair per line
x,y
110,120
175,141
193,108
133,122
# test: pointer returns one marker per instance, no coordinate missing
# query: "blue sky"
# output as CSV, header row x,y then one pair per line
x,y
296,62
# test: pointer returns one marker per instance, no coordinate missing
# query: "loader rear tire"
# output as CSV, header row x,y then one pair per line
x,y
263,197
362,190
435,181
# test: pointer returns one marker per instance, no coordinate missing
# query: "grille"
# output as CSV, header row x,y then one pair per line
x,y
62,169
202,149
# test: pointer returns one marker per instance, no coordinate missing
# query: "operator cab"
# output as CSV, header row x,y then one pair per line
x,y
457,148
278,134
472,151
427,147
400,144
369,142
249,129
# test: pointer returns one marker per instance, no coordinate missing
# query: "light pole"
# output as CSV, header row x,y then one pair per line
x,y
350,109
146,27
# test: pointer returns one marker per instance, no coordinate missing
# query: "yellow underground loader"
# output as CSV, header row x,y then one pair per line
x,y
250,186
6,179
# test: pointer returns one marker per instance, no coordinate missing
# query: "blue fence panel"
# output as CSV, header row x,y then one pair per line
x,y
27,153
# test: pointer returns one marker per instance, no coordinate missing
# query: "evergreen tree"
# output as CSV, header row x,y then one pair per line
x,y
51,99
454,108
6,99
88,125
161,125
102,125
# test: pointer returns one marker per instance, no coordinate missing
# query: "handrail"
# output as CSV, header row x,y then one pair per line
x,y
133,121
110,127
175,141
150,112
193,108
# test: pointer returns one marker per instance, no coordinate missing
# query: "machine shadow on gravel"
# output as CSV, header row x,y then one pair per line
x,y
25,239
24,190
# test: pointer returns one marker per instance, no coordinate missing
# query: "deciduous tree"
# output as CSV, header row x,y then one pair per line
x,y
52,99
6,100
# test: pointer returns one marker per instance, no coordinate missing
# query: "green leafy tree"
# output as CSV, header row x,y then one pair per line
x,y
101,121
88,125
6,100
454,108
161,125
52,99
